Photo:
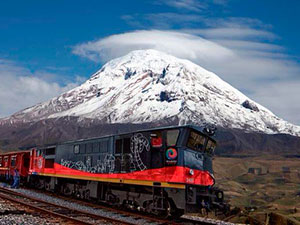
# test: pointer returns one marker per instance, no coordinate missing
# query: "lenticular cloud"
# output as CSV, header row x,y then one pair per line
x,y
182,45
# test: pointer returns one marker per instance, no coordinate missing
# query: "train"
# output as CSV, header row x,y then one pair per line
x,y
163,171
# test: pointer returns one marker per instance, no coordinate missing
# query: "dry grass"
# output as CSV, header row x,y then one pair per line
x,y
272,191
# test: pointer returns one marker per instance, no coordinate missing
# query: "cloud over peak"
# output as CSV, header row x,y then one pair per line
x,y
177,43
249,60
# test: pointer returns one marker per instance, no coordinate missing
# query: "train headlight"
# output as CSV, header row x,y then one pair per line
x,y
191,172
219,195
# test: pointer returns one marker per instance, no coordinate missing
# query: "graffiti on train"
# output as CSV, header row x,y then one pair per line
x,y
109,163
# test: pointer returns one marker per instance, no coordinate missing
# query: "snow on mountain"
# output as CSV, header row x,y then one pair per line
x,y
148,86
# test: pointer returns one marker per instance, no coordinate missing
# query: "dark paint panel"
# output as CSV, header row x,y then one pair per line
x,y
131,152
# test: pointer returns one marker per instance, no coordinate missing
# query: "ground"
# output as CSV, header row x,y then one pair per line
x,y
276,189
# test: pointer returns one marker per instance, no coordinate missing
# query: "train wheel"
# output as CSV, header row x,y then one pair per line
x,y
163,211
66,191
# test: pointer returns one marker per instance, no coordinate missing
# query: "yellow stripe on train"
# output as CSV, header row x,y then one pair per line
x,y
117,180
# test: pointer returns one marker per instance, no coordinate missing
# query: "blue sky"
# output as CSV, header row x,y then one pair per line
x,y
48,47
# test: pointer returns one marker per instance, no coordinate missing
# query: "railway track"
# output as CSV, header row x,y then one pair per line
x,y
120,211
185,220
84,217
71,215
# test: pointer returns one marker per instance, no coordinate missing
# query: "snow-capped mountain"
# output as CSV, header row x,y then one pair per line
x,y
148,86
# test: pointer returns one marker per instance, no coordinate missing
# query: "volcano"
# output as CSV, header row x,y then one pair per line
x,y
152,87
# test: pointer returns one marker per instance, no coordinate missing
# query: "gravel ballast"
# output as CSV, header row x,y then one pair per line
x,y
76,206
14,214
103,212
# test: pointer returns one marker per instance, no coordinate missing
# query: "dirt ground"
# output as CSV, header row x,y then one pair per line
x,y
273,187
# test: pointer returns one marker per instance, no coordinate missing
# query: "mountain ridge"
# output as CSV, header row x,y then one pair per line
x,y
146,86
231,142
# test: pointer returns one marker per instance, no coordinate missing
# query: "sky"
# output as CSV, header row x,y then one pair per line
x,y
49,47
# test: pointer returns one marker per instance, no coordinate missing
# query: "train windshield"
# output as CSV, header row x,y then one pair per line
x,y
199,142
210,147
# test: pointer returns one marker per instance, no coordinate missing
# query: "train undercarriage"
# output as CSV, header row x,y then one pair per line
x,y
159,201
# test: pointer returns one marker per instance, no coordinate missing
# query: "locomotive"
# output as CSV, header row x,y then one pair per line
x,y
164,171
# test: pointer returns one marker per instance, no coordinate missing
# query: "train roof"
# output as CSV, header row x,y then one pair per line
x,y
198,128
14,152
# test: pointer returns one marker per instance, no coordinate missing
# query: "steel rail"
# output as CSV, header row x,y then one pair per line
x,y
147,217
43,206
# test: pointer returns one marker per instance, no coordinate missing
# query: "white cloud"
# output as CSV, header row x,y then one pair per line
x,y
176,43
191,5
232,33
19,88
283,96
249,61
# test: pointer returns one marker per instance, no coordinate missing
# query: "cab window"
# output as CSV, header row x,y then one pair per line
x,y
210,147
196,141
172,136
50,151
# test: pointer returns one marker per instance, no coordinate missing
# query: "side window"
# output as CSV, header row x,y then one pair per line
x,y
82,149
126,148
6,159
50,151
119,145
123,146
118,156
172,136
89,147
122,155
0,161
76,149
156,139
13,161
103,146
96,147
210,147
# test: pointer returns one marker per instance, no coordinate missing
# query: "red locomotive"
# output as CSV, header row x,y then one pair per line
x,y
165,171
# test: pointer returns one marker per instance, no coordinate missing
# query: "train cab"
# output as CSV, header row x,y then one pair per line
x,y
42,160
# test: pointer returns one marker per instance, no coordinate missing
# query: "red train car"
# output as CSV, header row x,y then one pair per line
x,y
10,161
